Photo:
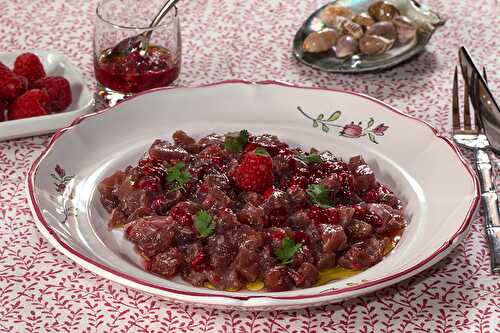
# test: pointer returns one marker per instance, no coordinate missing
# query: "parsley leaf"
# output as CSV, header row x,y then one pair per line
x,y
236,143
319,195
176,175
261,152
287,249
310,159
204,224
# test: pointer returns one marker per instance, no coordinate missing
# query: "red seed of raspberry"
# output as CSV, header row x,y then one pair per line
x,y
59,92
12,86
29,66
30,104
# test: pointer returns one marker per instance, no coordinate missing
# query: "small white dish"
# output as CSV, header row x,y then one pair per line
x,y
426,170
55,64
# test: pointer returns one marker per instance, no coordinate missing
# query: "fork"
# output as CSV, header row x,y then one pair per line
x,y
473,137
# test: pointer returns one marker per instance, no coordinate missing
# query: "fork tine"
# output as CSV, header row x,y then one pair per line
x,y
467,118
484,75
455,107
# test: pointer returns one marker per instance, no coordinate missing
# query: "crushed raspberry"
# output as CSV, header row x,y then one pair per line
x,y
300,237
333,216
179,213
297,180
29,66
374,220
359,212
30,104
149,184
278,235
371,196
59,92
317,214
12,86
157,204
198,262
277,217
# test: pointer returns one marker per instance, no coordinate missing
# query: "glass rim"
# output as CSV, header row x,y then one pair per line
x,y
125,27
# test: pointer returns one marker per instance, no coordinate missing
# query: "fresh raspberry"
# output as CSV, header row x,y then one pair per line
x,y
4,69
30,104
255,172
12,86
59,92
3,107
29,66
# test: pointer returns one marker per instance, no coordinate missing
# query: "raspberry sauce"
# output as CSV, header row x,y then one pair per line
x,y
134,73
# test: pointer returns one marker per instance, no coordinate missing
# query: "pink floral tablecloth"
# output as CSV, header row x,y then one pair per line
x,y
43,291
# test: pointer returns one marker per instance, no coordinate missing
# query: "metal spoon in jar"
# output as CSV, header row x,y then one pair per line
x,y
141,42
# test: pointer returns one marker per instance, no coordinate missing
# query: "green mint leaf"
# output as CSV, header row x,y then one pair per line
x,y
320,195
261,152
236,144
287,250
310,159
315,123
334,116
204,224
325,128
179,177
320,117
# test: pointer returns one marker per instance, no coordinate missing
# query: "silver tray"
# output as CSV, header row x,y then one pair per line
x,y
426,20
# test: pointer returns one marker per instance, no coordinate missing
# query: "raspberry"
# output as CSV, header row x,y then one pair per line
x,y
198,262
359,212
4,69
3,106
324,215
255,172
29,66
371,196
374,220
180,213
317,214
30,104
59,92
12,85
300,237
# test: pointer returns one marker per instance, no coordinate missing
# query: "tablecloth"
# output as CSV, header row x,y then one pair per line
x,y
43,291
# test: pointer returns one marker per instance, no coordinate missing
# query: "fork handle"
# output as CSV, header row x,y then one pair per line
x,y
489,200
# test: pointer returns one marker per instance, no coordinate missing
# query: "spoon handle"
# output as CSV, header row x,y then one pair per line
x,y
161,14
163,11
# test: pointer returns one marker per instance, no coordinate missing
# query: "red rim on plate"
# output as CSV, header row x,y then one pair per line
x,y
418,266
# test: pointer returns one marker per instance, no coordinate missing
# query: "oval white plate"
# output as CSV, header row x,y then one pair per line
x,y
425,170
55,64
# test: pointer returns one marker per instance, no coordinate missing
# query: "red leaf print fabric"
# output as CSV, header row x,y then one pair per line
x,y
43,291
